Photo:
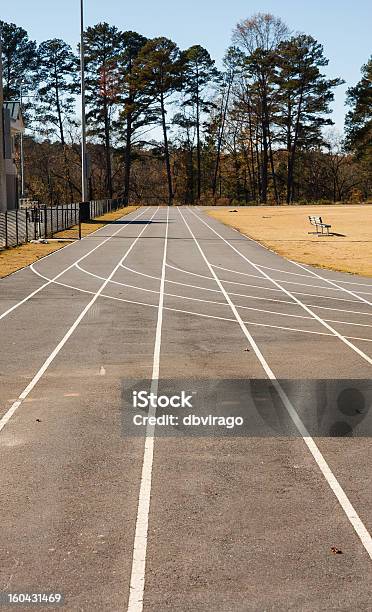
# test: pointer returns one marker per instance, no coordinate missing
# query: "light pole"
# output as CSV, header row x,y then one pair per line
x,y
84,182
3,200
21,149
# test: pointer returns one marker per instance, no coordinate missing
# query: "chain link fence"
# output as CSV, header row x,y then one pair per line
x,y
42,222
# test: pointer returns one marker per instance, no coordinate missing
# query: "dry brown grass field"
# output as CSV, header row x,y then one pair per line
x,y
16,258
286,229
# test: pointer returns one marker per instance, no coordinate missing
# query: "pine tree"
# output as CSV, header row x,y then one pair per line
x,y
19,60
104,86
304,98
57,70
259,38
134,103
359,118
200,72
158,74
57,76
232,62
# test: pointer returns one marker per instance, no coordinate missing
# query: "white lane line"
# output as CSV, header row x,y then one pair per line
x,y
308,270
357,295
326,297
259,276
345,310
262,246
343,339
148,276
331,479
185,297
167,280
368,314
285,258
56,252
137,580
199,314
364,314
31,295
8,415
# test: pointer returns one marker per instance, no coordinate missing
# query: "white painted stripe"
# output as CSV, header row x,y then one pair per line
x,y
280,327
285,258
137,581
345,503
293,282
291,295
245,285
184,297
364,314
148,276
31,295
8,415
356,295
326,297
307,269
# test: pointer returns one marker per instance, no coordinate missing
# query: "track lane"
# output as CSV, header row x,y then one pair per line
x,y
215,537
70,475
8,283
214,540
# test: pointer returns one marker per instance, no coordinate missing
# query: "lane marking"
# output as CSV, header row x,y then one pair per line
x,y
148,276
137,580
9,413
365,314
331,479
294,329
31,295
304,306
357,295
309,270
185,297
326,297
259,276
241,234
294,282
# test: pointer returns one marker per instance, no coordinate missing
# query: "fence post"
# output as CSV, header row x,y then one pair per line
x,y
79,222
6,229
16,216
26,213
45,222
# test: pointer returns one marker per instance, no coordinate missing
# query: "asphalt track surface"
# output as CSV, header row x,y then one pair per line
x,y
185,522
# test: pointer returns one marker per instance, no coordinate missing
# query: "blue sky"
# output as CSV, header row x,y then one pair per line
x,y
343,27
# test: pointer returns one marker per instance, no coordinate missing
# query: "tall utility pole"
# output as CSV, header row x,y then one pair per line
x,y
84,182
3,201
21,148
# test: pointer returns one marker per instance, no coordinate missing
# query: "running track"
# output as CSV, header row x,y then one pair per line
x,y
200,523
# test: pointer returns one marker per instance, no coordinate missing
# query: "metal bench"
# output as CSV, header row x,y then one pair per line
x,y
322,229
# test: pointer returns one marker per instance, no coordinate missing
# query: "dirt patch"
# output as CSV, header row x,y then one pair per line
x,y
285,230
14,259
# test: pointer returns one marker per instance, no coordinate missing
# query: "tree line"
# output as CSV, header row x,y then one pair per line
x,y
165,124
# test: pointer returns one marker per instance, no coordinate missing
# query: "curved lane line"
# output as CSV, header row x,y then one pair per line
x,y
331,479
199,314
39,374
31,295
291,295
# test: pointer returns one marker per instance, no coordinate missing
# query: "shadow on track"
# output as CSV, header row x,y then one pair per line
x,y
123,222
